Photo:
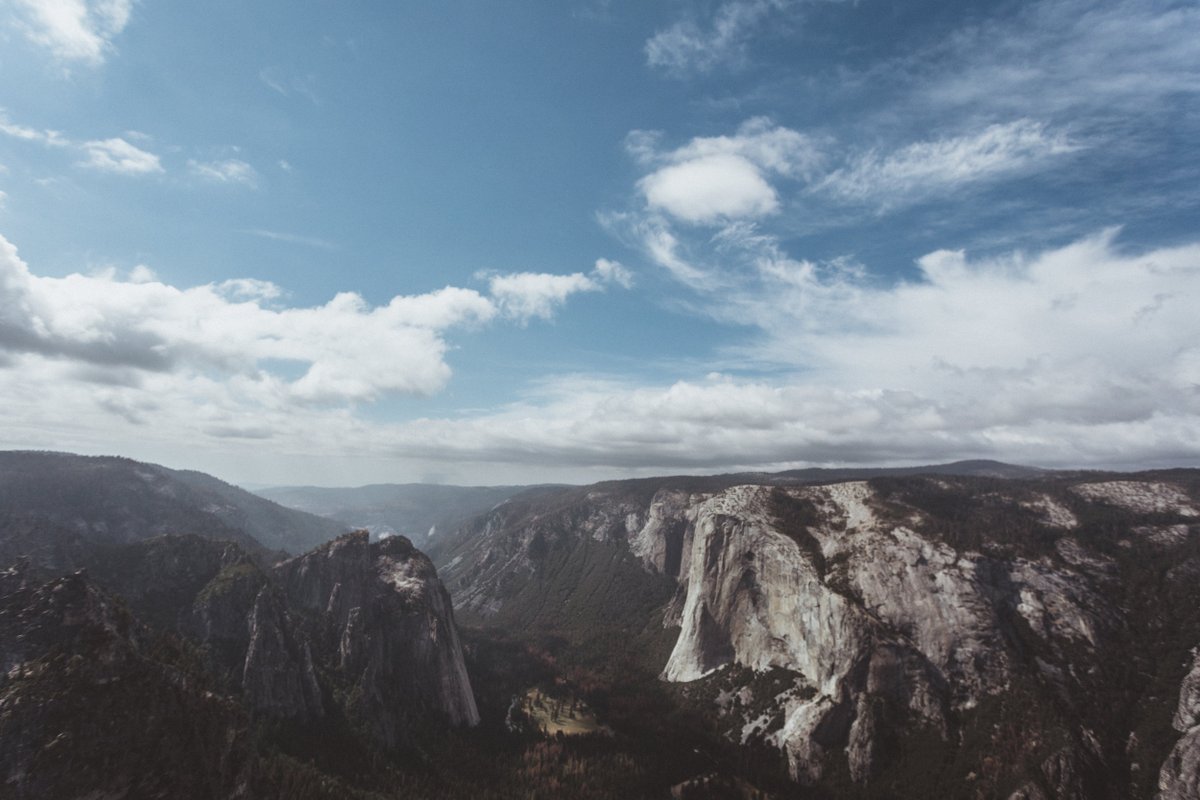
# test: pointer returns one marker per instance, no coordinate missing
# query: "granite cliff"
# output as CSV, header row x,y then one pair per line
x,y
388,625
1025,637
179,656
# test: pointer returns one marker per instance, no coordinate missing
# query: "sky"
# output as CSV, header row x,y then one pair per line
x,y
340,243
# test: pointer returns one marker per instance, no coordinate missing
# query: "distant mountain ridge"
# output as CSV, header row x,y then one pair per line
x,y
114,500
419,511
427,512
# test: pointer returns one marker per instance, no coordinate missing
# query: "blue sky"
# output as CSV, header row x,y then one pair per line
x,y
477,242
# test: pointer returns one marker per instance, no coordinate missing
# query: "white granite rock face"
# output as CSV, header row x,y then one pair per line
x,y
1179,778
921,618
1145,497
882,621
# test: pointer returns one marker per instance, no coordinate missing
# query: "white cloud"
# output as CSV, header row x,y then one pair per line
x,y
45,137
230,170
1079,355
119,156
1079,335
142,274
1066,58
613,272
533,295
280,82
710,189
770,147
712,180
238,333
1082,355
663,248
75,31
293,238
689,46
347,350
115,155
913,172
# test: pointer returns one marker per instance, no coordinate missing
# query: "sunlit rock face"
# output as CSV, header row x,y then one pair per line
x,y
870,612
388,618
925,607
1180,775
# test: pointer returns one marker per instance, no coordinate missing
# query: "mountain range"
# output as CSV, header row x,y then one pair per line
x,y
970,630
418,511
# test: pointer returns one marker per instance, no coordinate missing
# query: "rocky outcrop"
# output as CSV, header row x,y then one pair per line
x,y
935,612
870,612
214,594
94,705
1179,777
382,610
278,674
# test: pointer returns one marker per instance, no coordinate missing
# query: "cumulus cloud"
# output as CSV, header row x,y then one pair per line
x,y
238,332
919,169
534,295
345,349
710,189
714,179
230,170
74,31
1082,354
119,156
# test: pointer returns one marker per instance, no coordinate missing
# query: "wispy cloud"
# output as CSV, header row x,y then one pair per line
x,y
286,84
292,238
116,155
45,137
119,156
230,170
698,46
911,173
1064,57
74,31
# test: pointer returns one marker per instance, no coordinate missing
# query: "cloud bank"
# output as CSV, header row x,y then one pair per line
x,y
344,351
1083,354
